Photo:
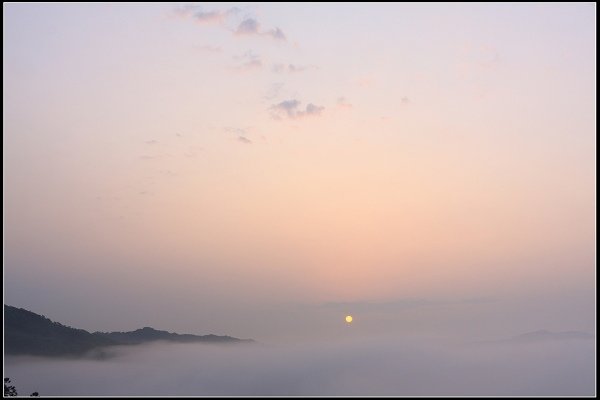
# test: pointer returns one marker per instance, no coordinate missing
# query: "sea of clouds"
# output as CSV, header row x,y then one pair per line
x,y
361,366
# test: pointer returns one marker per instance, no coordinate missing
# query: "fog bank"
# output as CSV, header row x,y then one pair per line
x,y
374,366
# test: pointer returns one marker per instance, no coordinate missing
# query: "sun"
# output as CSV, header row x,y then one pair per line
x,y
348,318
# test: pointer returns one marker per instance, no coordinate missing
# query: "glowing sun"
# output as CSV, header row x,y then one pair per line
x,y
348,318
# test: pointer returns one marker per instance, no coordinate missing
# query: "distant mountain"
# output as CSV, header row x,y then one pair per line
x,y
28,333
541,336
148,334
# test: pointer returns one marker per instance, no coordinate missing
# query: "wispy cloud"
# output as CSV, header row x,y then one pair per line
x,y
237,131
288,107
249,61
291,109
402,304
365,81
240,133
252,64
273,91
312,109
276,34
209,49
197,14
167,172
247,27
478,55
251,27
342,102
291,68
207,17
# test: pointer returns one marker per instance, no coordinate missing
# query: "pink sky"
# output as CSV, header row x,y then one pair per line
x,y
161,159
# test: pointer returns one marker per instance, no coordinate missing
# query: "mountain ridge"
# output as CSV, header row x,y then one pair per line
x,y
539,336
28,333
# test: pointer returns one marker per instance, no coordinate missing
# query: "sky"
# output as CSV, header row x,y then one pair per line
x,y
262,170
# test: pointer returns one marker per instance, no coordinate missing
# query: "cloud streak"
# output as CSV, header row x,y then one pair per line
x,y
273,91
291,68
291,109
197,14
209,49
250,61
342,102
401,304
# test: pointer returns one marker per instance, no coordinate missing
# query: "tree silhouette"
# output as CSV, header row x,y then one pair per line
x,y
10,390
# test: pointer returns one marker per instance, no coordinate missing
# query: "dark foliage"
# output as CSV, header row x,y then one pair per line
x,y
10,391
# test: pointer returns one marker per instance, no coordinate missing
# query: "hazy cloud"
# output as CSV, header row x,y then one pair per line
x,y
192,151
248,26
401,304
252,64
404,100
365,81
237,131
167,172
312,109
249,61
291,109
251,26
151,141
342,102
291,68
240,133
482,55
211,16
273,90
209,49
296,68
288,107
276,34
197,14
